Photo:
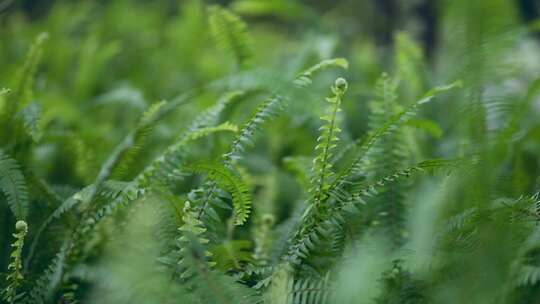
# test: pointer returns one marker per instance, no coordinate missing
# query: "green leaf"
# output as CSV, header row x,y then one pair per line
x,y
232,183
231,34
13,184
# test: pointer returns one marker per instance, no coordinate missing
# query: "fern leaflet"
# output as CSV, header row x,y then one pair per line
x,y
225,178
13,184
322,168
231,34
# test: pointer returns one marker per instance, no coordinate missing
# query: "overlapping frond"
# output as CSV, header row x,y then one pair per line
x,y
231,34
22,91
231,182
13,185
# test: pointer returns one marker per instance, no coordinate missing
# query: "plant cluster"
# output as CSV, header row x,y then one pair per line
x,y
262,174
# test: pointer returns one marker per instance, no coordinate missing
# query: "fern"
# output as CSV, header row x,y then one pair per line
x,y
126,152
352,169
129,193
270,108
309,290
171,154
23,89
316,228
15,276
13,184
46,285
170,159
305,78
286,289
409,61
389,153
232,255
31,117
232,183
223,194
110,190
266,111
322,168
197,130
192,231
401,286
231,34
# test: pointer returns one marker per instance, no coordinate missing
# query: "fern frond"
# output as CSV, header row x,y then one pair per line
x,y
197,130
352,169
409,61
232,255
310,291
47,284
286,289
81,197
525,270
137,186
401,286
84,157
15,276
191,231
232,183
305,78
31,117
272,81
270,108
13,185
322,168
389,153
22,90
170,160
264,112
127,151
230,33
316,228
203,132
370,189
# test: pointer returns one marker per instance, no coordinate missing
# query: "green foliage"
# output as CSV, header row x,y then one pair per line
x,y
13,185
15,276
322,168
227,180
155,167
231,34
23,87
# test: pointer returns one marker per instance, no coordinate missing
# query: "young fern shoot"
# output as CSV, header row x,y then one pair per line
x,y
15,276
322,167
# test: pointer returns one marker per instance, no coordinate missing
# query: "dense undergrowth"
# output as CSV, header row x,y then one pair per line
x,y
174,154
